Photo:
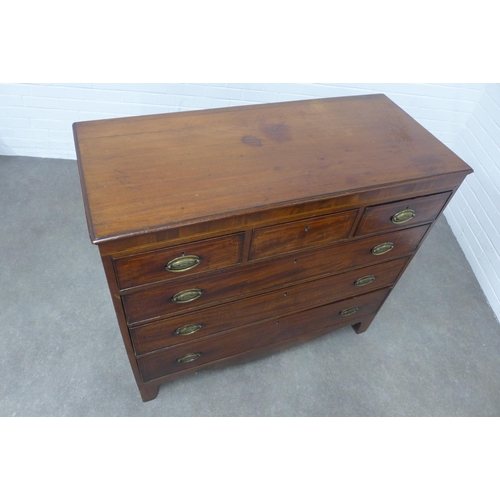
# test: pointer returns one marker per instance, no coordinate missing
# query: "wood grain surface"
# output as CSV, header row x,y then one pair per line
x,y
160,171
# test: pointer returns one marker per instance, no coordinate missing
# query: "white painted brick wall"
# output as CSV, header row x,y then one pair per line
x,y
36,119
474,213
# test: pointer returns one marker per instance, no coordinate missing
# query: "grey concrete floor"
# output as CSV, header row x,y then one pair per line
x,y
433,350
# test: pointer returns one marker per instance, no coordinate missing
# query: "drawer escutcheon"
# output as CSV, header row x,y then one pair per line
x,y
349,311
183,263
365,280
403,216
383,248
188,329
187,295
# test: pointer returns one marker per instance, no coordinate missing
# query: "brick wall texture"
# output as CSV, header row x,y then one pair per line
x,y
36,119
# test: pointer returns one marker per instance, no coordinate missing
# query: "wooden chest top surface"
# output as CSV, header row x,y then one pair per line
x,y
155,172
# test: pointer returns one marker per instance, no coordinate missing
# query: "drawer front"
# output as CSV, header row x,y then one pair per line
x,y
227,344
156,302
181,260
401,213
293,236
216,319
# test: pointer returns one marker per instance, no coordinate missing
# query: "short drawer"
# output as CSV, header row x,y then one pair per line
x,y
216,319
306,233
401,213
220,346
181,260
202,290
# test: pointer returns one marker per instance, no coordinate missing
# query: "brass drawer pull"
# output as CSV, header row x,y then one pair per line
x,y
183,263
187,296
349,311
189,358
188,329
403,216
383,248
365,280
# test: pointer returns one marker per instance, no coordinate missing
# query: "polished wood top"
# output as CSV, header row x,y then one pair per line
x,y
148,173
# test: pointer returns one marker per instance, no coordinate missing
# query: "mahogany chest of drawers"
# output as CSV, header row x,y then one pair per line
x,y
233,233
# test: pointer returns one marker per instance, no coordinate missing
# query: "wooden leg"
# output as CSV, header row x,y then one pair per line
x,y
149,392
363,325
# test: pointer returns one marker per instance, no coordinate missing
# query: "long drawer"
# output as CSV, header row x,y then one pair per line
x,y
191,293
198,324
220,346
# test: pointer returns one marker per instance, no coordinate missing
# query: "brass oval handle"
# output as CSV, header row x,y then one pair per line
x,y
403,216
383,248
364,280
188,329
349,311
189,358
187,296
183,263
